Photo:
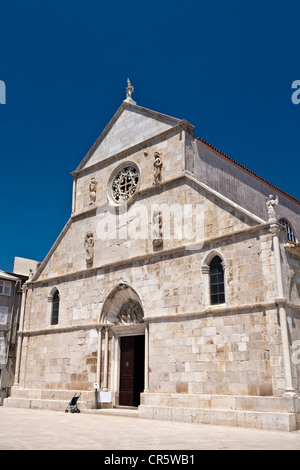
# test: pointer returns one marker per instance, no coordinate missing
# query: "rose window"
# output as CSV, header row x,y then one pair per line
x,y
125,184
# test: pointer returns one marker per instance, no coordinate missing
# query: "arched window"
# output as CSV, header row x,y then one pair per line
x,y
217,292
55,308
289,231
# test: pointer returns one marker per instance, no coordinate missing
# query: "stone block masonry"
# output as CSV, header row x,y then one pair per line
x,y
138,314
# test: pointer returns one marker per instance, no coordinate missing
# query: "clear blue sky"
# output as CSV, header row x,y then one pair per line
x,y
226,67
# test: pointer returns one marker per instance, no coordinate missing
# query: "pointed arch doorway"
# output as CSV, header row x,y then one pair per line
x,y
124,315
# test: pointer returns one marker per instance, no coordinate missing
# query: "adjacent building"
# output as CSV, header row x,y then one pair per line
x,y
10,306
174,286
10,302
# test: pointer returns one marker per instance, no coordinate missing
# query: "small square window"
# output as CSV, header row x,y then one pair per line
x,y
3,315
5,288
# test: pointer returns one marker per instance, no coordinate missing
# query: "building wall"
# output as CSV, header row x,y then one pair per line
x,y
293,318
194,348
173,165
227,354
249,268
131,126
182,328
8,331
241,187
61,361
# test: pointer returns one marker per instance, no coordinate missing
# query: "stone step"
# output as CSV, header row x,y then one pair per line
x,y
268,420
45,394
38,404
226,402
48,399
132,413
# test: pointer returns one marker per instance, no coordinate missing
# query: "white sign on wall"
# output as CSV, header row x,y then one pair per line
x,y
104,397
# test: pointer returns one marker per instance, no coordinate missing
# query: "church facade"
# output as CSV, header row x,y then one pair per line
x,y
173,288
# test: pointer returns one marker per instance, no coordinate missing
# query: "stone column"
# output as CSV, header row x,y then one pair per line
x,y
206,284
105,379
146,385
99,357
281,301
20,339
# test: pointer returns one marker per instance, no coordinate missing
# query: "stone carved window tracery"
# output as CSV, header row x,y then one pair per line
x,y
125,184
130,312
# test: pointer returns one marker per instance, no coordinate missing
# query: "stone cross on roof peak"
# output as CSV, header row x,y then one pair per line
x,y
129,91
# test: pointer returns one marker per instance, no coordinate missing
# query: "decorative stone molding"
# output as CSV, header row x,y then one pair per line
x,y
123,183
275,229
205,269
131,312
129,92
158,163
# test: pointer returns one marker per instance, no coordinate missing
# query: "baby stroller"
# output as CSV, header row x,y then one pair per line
x,y
72,406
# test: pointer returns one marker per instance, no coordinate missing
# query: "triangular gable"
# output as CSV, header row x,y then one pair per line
x,y
130,126
48,257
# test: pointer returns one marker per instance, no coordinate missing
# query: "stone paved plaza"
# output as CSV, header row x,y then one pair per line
x,y
23,429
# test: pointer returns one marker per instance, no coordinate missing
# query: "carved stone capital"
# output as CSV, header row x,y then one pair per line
x,y
275,229
281,301
205,269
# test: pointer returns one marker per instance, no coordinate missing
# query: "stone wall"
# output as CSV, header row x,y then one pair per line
x,y
229,354
169,283
177,201
172,290
171,150
60,361
130,126
241,187
195,348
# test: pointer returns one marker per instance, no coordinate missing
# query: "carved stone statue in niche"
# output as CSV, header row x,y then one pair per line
x,y
89,247
131,312
157,168
157,228
271,203
93,189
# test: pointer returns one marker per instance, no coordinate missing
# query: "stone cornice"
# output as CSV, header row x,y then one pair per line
x,y
184,175
140,193
293,249
212,310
